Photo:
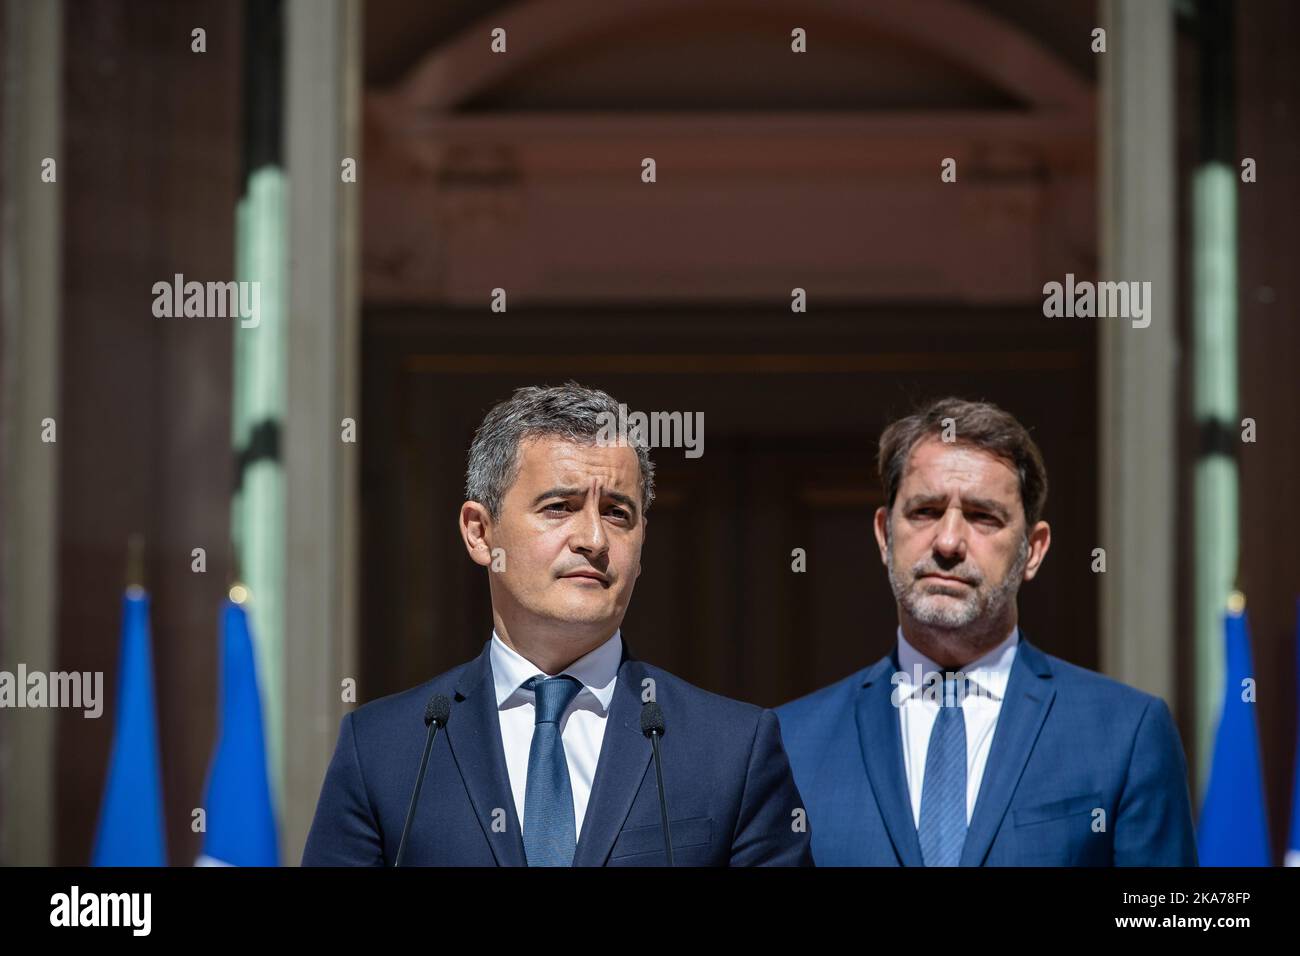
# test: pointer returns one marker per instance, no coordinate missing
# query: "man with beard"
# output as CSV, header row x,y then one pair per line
x,y
967,745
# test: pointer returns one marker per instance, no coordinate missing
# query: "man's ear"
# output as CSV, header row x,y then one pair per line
x,y
881,527
1040,539
475,531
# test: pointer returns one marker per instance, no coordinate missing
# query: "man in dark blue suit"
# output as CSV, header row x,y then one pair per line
x,y
543,761
967,745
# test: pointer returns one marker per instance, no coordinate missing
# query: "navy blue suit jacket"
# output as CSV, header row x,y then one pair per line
x,y
1068,742
731,796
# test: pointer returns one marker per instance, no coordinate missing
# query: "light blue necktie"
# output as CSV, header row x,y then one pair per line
x,y
942,829
550,834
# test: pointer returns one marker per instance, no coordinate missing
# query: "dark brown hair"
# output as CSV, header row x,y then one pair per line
x,y
977,424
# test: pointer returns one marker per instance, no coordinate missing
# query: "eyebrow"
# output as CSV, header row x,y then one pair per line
x,y
579,492
979,504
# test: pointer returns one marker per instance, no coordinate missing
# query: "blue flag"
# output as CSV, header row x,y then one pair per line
x,y
130,831
1233,829
240,819
1293,844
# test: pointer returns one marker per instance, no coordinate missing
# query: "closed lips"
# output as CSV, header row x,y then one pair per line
x,y
585,574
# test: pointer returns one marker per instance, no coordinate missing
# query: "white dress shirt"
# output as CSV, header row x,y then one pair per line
x,y
919,706
582,725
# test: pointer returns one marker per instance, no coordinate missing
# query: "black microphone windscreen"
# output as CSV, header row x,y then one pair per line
x,y
438,710
652,719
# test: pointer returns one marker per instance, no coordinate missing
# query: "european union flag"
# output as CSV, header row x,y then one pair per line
x,y
1293,844
130,829
240,819
1234,829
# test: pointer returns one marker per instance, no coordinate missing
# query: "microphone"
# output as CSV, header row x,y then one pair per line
x,y
652,725
436,713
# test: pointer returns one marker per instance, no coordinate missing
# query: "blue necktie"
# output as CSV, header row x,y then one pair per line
x,y
942,829
550,834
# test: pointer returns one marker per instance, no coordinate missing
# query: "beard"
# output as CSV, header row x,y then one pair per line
x,y
952,607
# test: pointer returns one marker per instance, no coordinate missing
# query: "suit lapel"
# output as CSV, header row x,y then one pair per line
x,y
1029,698
624,756
474,733
881,742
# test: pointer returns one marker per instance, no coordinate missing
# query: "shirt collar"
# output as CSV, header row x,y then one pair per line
x,y
990,672
596,670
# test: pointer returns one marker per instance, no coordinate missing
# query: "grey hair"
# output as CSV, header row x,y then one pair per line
x,y
569,411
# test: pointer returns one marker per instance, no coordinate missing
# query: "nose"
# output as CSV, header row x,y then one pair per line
x,y
950,536
589,535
